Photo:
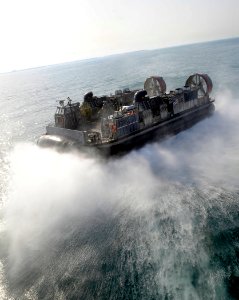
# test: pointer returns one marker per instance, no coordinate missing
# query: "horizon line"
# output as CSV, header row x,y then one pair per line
x,y
116,54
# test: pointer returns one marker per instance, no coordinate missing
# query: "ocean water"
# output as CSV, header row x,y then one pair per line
x,y
161,222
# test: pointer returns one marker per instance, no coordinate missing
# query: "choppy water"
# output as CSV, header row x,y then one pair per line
x,y
161,222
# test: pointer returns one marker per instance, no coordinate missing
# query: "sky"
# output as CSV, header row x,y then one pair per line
x,y
43,32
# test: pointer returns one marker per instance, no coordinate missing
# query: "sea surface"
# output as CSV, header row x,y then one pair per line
x,y
161,222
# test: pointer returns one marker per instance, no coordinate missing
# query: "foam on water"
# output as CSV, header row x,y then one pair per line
x,y
147,225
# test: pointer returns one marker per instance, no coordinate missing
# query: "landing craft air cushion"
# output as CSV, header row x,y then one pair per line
x,y
128,119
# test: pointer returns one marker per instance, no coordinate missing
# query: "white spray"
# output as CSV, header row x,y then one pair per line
x,y
52,195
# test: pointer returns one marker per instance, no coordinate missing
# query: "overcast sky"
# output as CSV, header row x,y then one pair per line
x,y
42,32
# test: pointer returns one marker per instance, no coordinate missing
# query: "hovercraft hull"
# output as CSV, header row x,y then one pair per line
x,y
158,131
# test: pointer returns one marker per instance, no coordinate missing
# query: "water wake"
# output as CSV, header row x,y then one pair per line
x,y
148,225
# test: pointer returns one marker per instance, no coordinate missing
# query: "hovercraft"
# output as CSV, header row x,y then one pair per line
x,y
128,119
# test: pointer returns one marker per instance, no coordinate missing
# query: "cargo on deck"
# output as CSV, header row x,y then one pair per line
x,y
128,119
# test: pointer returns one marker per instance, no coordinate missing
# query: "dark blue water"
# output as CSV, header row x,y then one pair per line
x,y
161,222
